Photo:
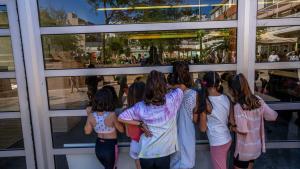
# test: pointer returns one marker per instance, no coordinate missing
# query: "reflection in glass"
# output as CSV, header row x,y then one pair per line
x,y
9,100
73,92
6,56
278,9
3,17
278,85
12,163
214,46
91,12
286,127
11,136
279,159
274,44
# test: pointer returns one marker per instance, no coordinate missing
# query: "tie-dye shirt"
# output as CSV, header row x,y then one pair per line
x,y
161,121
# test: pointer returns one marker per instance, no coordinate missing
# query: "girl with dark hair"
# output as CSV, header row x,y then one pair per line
x,y
250,111
158,114
135,95
104,122
185,157
215,109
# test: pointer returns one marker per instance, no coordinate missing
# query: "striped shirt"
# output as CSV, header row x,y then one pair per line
x,y
250,142
161,121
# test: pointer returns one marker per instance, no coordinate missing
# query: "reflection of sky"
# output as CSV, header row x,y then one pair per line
x,y
87,12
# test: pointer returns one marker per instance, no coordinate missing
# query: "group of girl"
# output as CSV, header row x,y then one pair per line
x,y
161,118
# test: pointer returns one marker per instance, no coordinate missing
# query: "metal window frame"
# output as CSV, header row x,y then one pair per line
x,y
246,25
19,75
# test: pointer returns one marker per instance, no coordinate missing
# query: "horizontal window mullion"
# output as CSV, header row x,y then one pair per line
x,y
138,27
7,75
4,32
10,115
278,22
285,106
280,145
13,153
278,65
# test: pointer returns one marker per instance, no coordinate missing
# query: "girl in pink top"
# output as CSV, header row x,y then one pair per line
x,y
250,112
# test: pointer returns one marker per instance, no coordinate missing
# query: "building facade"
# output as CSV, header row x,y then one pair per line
x,y
47,48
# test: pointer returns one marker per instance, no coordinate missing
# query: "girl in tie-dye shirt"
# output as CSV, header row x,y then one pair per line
x,y
157,113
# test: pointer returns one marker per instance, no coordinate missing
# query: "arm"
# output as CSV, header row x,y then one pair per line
x,y
88,128
117,124
269,114
203,122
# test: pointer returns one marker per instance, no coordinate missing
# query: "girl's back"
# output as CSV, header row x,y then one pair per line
x,y
217,120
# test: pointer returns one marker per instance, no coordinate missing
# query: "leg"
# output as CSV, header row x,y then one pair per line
x,y
251,165
137,164
162,163
147,163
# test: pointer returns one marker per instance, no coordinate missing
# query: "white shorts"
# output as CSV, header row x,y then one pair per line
x,y
134,150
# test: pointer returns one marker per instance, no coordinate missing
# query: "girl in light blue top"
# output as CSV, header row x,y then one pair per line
x,y
185,157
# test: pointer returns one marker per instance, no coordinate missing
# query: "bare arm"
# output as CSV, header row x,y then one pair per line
x,y
88,128
203,122
117,124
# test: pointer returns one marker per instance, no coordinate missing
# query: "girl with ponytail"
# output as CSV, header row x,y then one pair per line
x,y
214,108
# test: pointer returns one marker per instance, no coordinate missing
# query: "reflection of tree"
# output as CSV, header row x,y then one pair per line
x,y
51,16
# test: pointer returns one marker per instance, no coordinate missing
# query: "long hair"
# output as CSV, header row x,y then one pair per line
x,y
114,94
181,74
156,89
210,79
242,93
103,101
135,93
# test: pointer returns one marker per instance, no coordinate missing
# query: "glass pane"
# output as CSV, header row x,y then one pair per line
x,y
278,9
3,17
213,46
6,55
11,136
286,128
278,44
12,163
279,159
278,85
91,12
9,100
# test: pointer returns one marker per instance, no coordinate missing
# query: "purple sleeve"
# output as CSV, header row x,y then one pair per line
x,y
130,114
269,114
174,99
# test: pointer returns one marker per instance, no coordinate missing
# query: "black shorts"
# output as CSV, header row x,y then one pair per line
x,y
241,164
156,163
106,152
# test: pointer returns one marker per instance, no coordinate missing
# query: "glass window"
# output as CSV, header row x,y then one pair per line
x,y
278,44
73,92
9,100
11,136
278,9
278,158
91,12
61,162
213,46
285,128
278,85
6,55
13,163
3,17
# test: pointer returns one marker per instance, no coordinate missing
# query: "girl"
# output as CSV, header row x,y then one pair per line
x,y
215,110
104,121
250,112
135,94
158,112
185,157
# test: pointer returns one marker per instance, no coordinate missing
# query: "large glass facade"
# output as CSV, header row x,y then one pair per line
x,y
90,12
72,45
217,46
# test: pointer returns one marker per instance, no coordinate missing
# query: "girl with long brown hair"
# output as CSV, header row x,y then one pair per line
x,y
250,111
157,112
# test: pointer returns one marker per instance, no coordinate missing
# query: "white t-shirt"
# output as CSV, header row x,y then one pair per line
x,y
217,129
273,58
294,58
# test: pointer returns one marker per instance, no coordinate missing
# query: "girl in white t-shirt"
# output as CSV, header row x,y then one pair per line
x,y
215,110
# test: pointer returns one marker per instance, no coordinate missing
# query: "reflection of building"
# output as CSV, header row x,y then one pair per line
x,y
227,10
72,19
278,8
282,40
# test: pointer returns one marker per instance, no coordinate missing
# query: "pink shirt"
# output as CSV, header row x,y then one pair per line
x,y
251,122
